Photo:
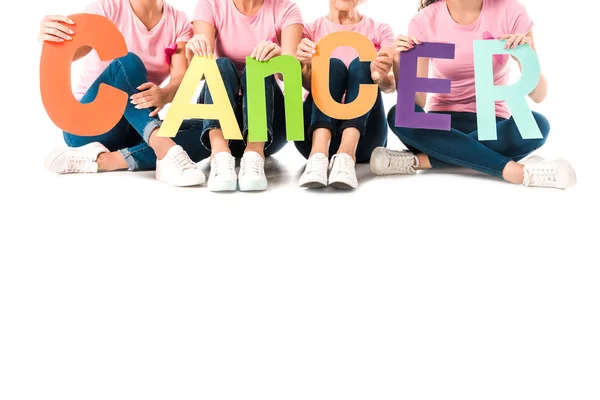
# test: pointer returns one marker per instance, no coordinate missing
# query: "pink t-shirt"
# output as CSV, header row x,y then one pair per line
x,y
380,34
174,27
237,34
434,24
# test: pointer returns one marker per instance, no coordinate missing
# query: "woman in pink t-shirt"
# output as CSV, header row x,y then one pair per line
x,y
233,30
155,34
352,140
461,22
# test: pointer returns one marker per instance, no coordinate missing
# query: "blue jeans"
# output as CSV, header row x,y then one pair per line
x,y
130,135
235,86
372,126
460,146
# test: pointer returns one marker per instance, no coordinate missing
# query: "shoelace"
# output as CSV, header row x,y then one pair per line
x,y
183,162
223,164
253,165
401,161
343,163
540,176
78,164
317,164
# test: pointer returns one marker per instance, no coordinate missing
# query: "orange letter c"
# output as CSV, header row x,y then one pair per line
x,y
320,76
64,110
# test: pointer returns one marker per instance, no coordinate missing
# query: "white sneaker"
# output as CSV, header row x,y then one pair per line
x,y
557,174
177,169
532,159
252,173
222,176
71,160
343,174
388,162
315,173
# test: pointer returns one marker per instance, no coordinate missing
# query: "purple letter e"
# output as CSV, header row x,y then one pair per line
x,y
409,84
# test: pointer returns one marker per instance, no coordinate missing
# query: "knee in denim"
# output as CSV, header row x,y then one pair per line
x,y
130,62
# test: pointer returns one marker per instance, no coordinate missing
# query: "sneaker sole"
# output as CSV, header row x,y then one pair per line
x,y
181,184
51,159
228,186
55,162
342,185
313,183
253,186
373,160
568,168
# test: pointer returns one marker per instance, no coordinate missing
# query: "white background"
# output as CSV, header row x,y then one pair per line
x,y
437,286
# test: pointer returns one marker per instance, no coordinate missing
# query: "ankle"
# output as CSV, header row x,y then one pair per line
x,y
111,161
319,151
321,138
217,141
352,154
513,173
214,152
260,152
422,161
160,145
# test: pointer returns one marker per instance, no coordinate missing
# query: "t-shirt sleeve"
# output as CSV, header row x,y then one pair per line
x,y
386,36
101,7
184,28
205,12
518,19
415,30
290,15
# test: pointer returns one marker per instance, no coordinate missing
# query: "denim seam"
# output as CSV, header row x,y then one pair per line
x,y
353,124
132,164
521,156
145,134
149,128
203,135
137,151
322,125
125,74
270,137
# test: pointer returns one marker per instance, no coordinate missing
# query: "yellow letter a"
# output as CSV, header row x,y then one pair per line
x,y
183,108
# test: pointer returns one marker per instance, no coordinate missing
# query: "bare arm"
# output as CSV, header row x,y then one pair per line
x,y
155,97
179,65
306,77
387,84
203,42
290,39
304,53
541,90
266,49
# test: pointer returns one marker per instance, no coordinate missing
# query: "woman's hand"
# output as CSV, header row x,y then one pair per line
x,y
199,46
265,51
52,29
306,51
515,40
150,95
381,67
406,43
